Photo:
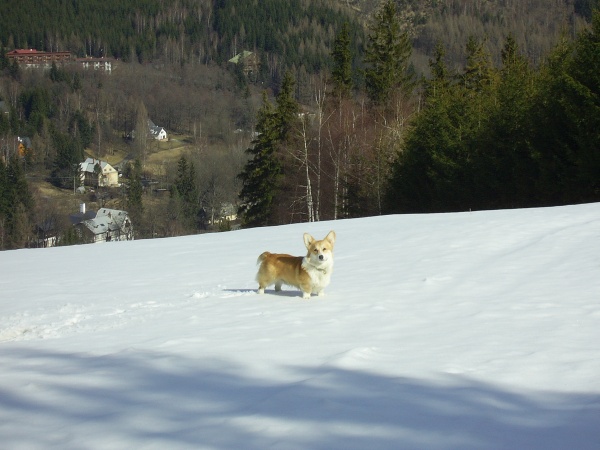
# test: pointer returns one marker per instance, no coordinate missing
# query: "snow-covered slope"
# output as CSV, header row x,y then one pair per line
x,y
463,331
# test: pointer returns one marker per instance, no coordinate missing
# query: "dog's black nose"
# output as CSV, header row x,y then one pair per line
x,y
321,257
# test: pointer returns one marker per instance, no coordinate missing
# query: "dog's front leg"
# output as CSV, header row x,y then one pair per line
x,y
306,288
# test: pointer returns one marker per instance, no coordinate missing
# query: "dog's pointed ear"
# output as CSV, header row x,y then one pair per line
x,y
308,239
330,237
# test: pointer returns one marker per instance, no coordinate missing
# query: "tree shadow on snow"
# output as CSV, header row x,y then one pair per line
x,y
142,398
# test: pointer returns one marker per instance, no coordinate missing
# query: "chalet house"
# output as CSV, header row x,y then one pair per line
x,y
95,172
248,59
228,211
104,226
31,58
25,146
46,234
156,132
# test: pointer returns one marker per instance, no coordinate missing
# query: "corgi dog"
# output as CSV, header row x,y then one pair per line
x,y
310,273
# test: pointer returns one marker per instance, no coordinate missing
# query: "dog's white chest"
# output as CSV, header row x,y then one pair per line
x,y
320,276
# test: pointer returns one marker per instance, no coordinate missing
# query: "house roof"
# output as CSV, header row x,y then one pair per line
x,y
116,215
23,51
106,220
32,51
240,56
81,217
46,226
154,129
25,141
89,164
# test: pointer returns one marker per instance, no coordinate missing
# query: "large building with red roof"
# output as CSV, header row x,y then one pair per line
x,y
35,58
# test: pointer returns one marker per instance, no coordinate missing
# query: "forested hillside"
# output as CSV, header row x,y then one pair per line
x,y
350,108
535,24
292,33
287,33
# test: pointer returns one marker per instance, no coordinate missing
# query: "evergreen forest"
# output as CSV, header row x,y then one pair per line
x,y
354,108
294,32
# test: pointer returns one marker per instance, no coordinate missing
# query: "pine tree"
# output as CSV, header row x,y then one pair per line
x,y
584,109
18,203
4,204
185,190
387,56
135,204
69,154
4,124
57,75
81,129
439,83
342,63
287,106
14,70
260,177
568,138
141,131
262,173
505,170
478,73
432,171
20,227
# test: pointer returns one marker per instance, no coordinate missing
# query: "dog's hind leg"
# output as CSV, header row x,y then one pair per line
x,y
261,285
263,277
278,285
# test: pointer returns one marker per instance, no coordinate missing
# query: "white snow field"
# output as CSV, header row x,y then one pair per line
x,y
446,331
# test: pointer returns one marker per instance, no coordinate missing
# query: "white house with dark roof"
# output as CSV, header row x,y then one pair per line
x,y
106,225
156,132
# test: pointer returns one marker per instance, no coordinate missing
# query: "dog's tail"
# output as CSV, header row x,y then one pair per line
x,y
262,257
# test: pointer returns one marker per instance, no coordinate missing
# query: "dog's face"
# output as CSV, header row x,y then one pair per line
x,y
320,252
